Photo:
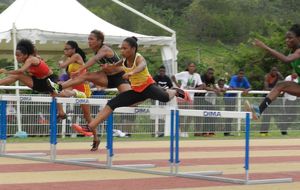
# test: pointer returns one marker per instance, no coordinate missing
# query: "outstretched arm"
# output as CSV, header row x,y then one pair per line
x,y
20,70
111,67
100,54
73,59
278,55
175,81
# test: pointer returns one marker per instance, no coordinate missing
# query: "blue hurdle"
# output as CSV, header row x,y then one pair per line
x,y
225,114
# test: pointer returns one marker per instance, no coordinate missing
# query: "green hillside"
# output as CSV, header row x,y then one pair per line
x,y
214,34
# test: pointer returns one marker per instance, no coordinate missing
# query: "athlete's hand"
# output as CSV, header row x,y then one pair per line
x,y
109,68
127,75
75,74
105,67
259,43
245,92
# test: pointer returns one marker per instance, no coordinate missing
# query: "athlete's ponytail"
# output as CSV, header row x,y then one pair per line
x,y
78,50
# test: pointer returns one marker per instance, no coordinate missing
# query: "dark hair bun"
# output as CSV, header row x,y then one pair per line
x,y
135,38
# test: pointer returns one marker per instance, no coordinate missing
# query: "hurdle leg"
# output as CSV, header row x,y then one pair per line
x,y
109,140
3,124
177,161
171,160
53,129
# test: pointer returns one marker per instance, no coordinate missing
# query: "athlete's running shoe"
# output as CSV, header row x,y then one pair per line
x,y
187,97
95,145
252,108
85,130
53,85
183,94
180,93
59,118
79,94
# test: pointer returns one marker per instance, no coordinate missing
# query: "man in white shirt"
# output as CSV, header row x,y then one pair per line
x,y
188,80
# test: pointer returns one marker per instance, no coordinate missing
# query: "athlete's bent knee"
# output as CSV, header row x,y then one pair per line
x,y
164,98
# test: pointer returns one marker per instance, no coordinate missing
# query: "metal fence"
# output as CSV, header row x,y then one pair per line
x,y
282,115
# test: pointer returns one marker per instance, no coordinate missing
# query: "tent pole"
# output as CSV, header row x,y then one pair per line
x,y
174,51
14,35
173,45
144,16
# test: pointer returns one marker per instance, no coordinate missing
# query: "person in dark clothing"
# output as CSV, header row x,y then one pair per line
x,y
237,82
163,81
206,102
270,81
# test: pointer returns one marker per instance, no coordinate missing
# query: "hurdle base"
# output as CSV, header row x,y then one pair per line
x,y
268,181
235,181
26,157
80,159
203,173
33,154
137,166
2,146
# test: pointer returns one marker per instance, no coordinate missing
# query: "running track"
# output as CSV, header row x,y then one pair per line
x,y
275,158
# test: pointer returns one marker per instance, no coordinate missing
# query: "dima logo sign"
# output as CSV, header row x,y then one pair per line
x,y
25,98
212,114
81,101
141,110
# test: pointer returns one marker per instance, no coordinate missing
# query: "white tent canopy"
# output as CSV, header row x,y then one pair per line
x,y
49,22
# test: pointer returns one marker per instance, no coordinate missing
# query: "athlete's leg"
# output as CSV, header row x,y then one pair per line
x,y
61,113
124,87
156,93
27,80
171,93
87,116
124,99
86,110
98,78
285,86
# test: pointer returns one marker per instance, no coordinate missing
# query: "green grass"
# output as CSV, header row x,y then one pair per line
x,y
148,137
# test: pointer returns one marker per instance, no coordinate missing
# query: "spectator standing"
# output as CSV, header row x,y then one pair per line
x,y
163,81
189,80
237,82
271,79
206,101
